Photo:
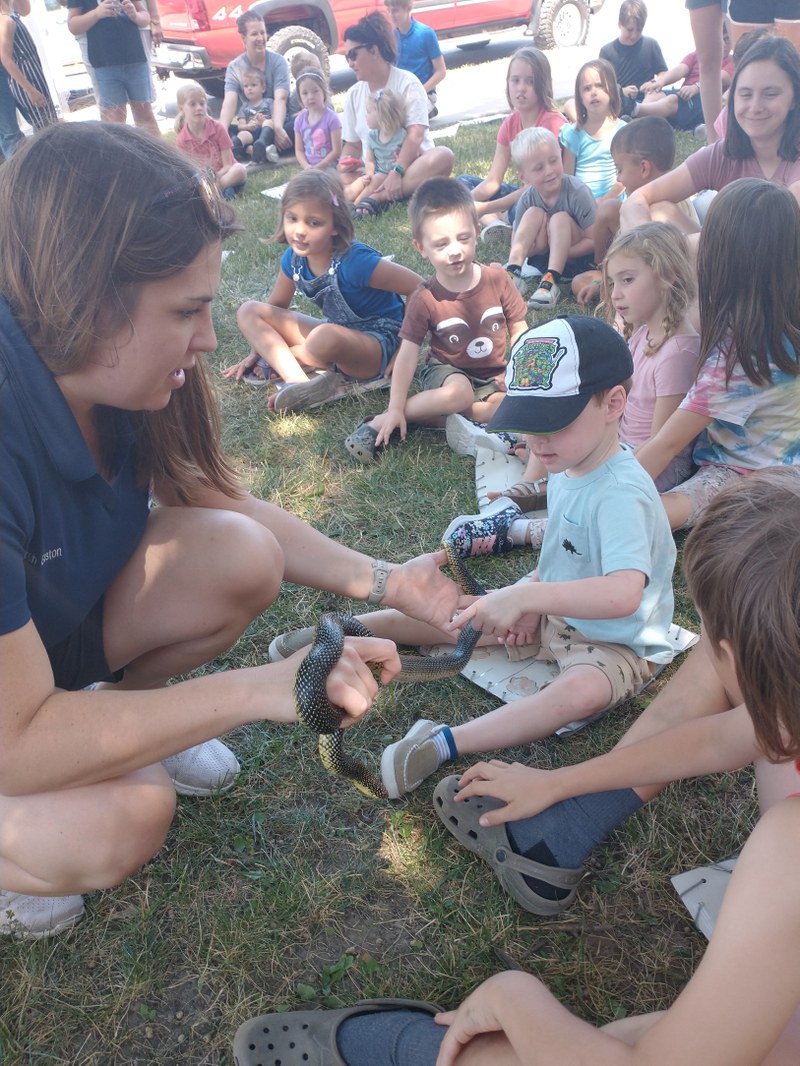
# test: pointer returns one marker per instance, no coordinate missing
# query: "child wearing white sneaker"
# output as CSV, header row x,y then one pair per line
x,y
600,602
555,215
469,311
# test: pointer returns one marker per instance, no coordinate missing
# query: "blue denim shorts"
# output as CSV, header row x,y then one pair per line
x,y
125,83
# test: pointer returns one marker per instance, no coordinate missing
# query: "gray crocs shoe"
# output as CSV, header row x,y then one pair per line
x,y
307,1037
491,844
361,443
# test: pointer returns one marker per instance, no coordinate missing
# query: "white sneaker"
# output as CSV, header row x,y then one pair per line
x,y
465,437
203,769
34,917
272,154
497,230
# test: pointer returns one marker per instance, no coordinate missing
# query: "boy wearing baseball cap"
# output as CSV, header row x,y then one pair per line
x,y
600,602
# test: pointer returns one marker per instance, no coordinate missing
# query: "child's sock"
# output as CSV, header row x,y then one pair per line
x,y
445,745
564,834
524,531
554,274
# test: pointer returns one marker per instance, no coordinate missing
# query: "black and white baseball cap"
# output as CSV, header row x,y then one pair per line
x,y
555,369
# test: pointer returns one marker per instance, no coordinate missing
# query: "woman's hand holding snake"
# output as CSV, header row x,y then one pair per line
x,y
418,588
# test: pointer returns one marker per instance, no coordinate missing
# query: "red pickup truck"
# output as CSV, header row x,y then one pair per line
x,y
200,36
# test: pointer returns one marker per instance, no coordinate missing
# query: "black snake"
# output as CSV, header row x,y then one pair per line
x,y
315,710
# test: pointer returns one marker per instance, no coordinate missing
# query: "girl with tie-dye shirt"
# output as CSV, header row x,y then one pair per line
x,y
744,407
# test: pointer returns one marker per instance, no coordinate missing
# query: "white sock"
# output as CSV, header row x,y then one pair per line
x,y
524,531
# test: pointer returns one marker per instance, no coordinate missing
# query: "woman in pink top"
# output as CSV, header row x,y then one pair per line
x,y
529,91
762,139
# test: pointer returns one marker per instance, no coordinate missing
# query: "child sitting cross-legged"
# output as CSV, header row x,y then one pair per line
x,y
470,312
554,216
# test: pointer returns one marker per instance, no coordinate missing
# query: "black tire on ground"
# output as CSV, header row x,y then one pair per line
x,y
296,38
562,23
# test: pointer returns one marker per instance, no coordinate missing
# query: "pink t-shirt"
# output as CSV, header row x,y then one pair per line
x,y
210,147
512,124
670,372
710,168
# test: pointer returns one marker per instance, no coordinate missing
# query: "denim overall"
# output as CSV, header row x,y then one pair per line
x,y
326,294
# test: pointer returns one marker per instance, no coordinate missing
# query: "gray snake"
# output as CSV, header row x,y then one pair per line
x,y
315,710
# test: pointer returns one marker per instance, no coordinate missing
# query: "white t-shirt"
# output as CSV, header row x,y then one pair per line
x,y
354,119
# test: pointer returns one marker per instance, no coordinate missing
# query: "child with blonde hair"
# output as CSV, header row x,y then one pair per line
x,y
529,91
386,118
203,138
317,128
251,121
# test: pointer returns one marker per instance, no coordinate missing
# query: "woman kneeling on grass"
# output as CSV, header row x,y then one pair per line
x,y
110,251
742,565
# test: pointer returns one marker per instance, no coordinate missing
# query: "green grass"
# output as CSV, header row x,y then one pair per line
x,y
293,888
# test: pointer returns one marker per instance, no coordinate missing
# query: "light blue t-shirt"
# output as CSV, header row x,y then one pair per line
x,y
417,49
593,163
612,519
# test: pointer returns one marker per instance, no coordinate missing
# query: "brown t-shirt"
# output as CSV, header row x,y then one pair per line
x,y
467,329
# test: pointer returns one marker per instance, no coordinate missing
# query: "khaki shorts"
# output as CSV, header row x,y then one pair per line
x,y
568,647
434,374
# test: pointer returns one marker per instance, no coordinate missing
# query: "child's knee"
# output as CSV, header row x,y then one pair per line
x,y
590,690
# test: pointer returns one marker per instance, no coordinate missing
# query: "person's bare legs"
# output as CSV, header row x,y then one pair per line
x,y
435,163
290,341
707,32
579,692
143,117
694,691
530,237
195,582
114,114
665,105
566,241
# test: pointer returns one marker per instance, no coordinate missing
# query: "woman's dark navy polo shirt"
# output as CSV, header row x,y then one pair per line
x,y
65,532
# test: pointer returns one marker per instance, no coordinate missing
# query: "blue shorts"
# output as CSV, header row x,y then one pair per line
x,y
79,659
123,84
472,182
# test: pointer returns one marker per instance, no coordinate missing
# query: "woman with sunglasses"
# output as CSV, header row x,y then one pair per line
x,y
110,252
371,51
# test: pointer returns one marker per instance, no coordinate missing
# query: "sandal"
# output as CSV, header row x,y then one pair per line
x,y
260,374
492,845
306,1037
528,495
369,208
361,443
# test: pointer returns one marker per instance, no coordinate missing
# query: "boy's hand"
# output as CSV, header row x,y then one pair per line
x,y
391,421
238,370
631,91
493,614
526,631
525,790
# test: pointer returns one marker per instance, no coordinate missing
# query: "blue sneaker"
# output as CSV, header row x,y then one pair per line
x,y
483,534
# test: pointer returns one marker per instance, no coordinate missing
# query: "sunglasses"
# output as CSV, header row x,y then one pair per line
x,y
352,55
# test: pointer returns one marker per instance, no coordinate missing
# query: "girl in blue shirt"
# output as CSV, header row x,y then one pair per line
x,y
356,289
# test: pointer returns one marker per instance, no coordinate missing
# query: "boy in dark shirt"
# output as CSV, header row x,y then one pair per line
x,y
635,58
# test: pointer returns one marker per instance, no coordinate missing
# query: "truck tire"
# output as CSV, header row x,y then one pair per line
x,y
562,23
294,38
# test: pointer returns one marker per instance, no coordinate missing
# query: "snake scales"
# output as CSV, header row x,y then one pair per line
x,y
315,710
